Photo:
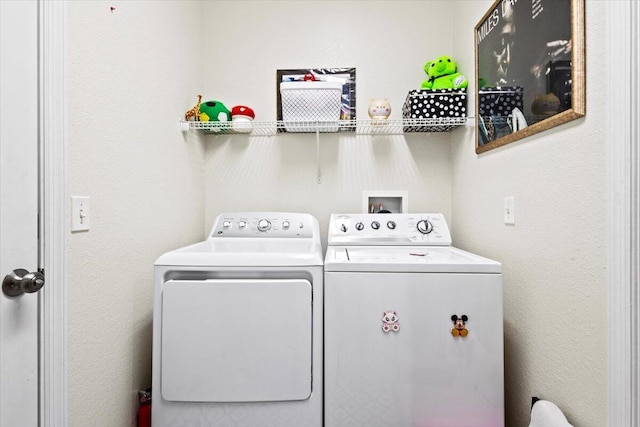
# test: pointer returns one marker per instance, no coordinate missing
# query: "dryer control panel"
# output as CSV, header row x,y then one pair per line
x,y
389,229
263,225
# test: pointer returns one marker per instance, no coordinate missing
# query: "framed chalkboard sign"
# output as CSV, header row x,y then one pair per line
x,y
530,69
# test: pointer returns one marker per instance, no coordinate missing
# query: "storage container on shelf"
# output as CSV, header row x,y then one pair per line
x,y
311,105
440,108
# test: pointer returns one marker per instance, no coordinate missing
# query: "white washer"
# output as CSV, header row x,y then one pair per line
x,y
237,325
393,354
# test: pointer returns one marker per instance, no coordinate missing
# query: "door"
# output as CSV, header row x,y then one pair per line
x,y
19,376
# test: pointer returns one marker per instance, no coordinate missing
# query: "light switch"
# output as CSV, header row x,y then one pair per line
x,y
509,210
80,213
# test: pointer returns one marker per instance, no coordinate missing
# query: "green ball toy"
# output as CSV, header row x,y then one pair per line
x,y
214,111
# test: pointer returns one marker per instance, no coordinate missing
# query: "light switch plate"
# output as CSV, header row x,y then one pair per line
x,y
80,213
510,210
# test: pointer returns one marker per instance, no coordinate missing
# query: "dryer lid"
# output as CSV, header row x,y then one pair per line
x,y
246,253
254,239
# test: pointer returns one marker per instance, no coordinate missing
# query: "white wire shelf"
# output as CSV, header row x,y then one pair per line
x,y
360,127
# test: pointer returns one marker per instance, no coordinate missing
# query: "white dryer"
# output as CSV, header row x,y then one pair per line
x,y
237,325
413,326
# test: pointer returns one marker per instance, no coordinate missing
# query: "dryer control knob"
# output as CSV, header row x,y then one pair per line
x,y
391,225
242,225
226,224
264,225
286,225
424,226
375,225
359,226
343,228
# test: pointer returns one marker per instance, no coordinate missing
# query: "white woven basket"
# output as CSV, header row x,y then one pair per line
x,y
309,105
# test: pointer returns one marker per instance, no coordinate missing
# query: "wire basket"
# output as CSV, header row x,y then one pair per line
x,y
311,102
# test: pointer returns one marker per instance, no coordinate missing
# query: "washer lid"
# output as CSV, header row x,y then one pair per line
x,y
423,259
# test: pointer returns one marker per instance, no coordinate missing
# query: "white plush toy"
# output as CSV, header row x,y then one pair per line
x,y
547,414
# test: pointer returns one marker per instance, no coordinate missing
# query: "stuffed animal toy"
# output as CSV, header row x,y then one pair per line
x,y
214,111
443,74
241,118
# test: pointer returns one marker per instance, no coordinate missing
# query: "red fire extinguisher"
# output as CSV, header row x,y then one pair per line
x,y
144,411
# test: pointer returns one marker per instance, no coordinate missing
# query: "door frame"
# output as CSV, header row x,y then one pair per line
x,y
52,29
623,136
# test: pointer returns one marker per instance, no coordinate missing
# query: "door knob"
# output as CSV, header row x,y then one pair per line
x,y
20,281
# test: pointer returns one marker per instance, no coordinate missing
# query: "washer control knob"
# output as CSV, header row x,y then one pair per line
x,y
424,226
242,225
286,225
359,226
343,228
391,225
375,225
226,224
264,225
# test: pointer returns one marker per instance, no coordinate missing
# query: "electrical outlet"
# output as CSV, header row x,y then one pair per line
x,y
510,210
80,213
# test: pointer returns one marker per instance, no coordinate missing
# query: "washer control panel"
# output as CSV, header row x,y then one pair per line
x,y
389,229
263,224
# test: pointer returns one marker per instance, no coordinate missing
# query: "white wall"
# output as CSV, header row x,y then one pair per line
x,y
388,44
555,257
131,75
134,71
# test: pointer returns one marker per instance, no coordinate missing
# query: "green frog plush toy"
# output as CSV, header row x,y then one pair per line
x,y
443,74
